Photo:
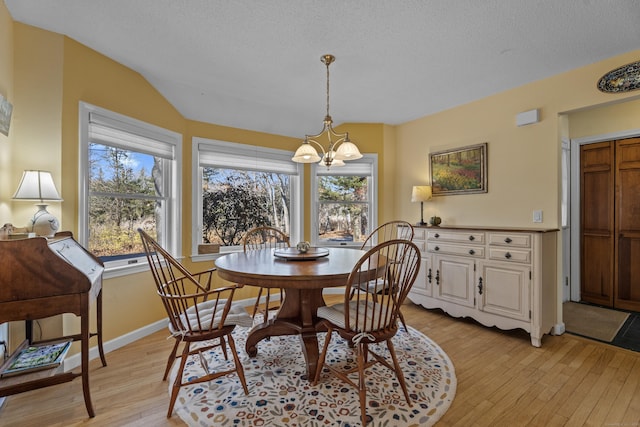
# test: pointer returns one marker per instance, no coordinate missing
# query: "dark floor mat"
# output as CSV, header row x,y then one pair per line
x,y
629,335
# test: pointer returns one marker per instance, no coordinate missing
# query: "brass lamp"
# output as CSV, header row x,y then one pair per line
x,y
339,146
421,193
37,185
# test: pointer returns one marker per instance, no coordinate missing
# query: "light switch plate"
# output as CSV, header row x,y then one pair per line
x,y
537,216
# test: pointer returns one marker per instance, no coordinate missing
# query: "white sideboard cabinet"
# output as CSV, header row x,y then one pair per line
x,y
499,277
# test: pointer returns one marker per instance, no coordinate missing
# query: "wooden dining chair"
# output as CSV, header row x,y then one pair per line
x,y
265,238
364,320
197,315
396,229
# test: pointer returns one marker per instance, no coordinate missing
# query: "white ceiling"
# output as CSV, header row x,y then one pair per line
x,y
255,64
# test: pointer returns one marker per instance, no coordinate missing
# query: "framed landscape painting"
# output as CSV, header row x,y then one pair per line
x,y
459,171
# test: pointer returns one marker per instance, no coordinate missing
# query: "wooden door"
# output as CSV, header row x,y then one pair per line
x,y
627,236
597,223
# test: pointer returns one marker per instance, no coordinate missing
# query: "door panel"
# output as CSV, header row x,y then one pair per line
x,y
597,223
627,284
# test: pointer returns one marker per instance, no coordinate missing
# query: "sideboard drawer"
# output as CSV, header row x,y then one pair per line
x,y
504,254
472,237
453,249
513,240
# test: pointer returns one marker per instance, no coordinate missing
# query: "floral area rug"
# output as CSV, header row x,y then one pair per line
x,y
281,395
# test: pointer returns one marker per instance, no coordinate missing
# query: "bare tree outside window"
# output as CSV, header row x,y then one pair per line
x,y
124,194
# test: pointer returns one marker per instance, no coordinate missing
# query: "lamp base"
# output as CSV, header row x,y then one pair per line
x,y
43,223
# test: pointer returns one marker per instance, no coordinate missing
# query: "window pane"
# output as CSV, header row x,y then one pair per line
x,y
340,222
113,224
124,187
344,188
114,170
235,201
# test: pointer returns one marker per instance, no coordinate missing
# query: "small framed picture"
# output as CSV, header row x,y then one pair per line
x,y
5,115
459,171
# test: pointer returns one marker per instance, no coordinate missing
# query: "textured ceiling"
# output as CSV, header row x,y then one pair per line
x,y
255,64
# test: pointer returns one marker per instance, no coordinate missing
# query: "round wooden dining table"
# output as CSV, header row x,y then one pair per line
x,y
302,280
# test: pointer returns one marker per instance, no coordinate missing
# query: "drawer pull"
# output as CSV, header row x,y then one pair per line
x,y
507,255
471,252
480,285
472,238
436,235
436,248
508,240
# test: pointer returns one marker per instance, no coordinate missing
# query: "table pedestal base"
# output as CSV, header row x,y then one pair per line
x,y
297,316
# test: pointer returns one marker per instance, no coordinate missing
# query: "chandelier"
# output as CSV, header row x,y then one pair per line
x,y
338,146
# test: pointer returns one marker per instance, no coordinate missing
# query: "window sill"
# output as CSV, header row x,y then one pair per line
x,y
212,257
125,270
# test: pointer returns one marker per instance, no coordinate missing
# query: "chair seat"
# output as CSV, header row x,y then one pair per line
x,y
335,314
210,318
375,286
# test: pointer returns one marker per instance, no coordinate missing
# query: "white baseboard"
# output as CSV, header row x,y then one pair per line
x,y
73,362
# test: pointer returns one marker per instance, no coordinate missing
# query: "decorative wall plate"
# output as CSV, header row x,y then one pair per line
x,y
622,79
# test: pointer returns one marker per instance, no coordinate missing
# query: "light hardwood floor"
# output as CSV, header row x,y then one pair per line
x,y
502,381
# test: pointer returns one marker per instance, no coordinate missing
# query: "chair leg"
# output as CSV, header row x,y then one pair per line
x,y
172,358
224,348
321,359
178,381
398,371
402,320
239,368
362,384
267,297
255,306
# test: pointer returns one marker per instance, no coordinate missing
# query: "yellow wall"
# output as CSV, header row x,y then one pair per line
x,y
6,90
523,162
605,120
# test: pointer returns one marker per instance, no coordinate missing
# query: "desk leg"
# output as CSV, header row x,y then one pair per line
x,y
84,353
99,327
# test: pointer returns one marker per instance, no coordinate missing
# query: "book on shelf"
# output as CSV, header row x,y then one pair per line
x,y
35,357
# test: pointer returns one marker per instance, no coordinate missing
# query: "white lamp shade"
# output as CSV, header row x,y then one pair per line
x,y
347,151
421,193
37,185
306,154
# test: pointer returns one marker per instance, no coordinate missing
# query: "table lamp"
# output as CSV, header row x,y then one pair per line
x,y
37,185
421,193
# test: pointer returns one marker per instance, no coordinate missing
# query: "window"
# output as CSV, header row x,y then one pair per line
x,y
130,178
242,186
344,202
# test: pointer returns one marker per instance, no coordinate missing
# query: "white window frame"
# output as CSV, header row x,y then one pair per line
x,y
171,141
371,160
244,155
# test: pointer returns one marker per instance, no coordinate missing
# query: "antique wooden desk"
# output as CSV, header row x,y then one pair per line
x,y
41,278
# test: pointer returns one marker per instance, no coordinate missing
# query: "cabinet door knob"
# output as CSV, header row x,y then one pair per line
x,y
437,248
472,238
508,240
471,252
507,255
480,285
429,276
437,277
